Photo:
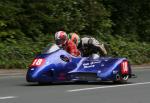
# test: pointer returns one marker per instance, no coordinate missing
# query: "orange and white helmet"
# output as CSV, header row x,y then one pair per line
x,y
61,38
74,37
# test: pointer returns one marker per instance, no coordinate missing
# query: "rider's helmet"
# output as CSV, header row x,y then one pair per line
x,y
61,38
74,37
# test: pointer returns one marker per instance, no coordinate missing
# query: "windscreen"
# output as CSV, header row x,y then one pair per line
x,y
50,48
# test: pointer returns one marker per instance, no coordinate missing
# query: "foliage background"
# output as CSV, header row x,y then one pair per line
x,y
26,26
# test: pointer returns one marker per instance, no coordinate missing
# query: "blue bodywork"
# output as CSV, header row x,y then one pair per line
x,y
60,66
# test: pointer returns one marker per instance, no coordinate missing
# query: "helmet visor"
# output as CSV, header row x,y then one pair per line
x,y
60,41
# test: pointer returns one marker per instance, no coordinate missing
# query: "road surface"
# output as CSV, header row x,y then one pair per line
x,y
15,89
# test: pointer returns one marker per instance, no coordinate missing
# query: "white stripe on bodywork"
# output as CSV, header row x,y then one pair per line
x,y
78,65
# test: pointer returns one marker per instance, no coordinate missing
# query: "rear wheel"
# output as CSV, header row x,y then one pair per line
x,y
121,79
123,74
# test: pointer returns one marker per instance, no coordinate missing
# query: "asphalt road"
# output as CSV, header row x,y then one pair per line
x,y
14,89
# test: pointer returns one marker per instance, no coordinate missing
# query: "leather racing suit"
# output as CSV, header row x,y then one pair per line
x,y
89,46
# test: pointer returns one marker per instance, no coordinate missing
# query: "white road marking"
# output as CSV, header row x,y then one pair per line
x,y
104,87
9,77
8,97
11,74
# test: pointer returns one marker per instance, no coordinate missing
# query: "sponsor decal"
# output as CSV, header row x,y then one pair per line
x,y
90,64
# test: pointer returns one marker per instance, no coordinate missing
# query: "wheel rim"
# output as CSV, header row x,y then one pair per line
x,y
125,78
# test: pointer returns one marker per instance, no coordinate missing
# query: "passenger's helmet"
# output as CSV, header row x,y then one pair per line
x,y
75,38
61,38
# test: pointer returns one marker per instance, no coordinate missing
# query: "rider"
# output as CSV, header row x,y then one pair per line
x,y
62,41
88,45
74,37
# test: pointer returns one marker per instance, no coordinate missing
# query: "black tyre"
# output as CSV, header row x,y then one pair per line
x,y
121,79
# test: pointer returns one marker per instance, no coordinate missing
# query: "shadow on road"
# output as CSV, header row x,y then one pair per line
x,y
74,83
